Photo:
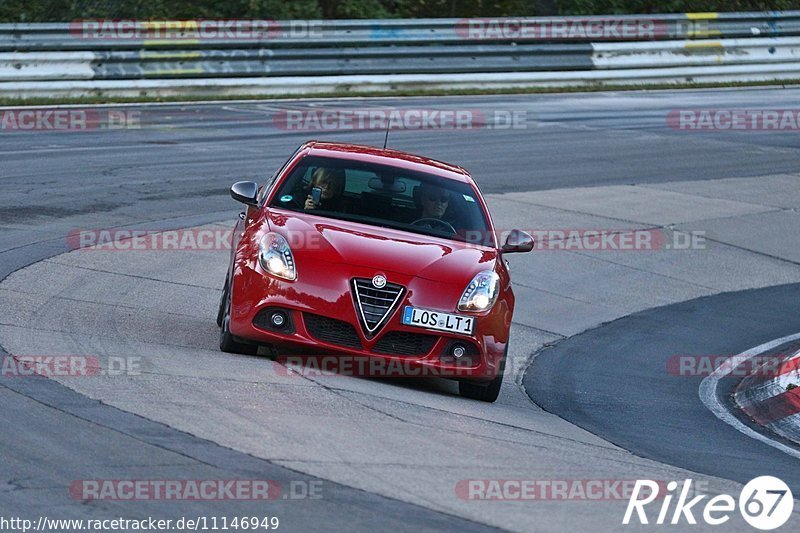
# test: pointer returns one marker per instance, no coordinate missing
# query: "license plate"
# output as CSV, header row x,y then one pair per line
x,y
425,318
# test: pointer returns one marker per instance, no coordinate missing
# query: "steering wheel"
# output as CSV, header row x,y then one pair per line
x,y
433,223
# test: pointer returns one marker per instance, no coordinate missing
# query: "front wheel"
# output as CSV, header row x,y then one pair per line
x,y
485,392
227,342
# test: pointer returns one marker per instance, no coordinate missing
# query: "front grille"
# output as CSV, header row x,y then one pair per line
x,y
405,343
332,331
375,305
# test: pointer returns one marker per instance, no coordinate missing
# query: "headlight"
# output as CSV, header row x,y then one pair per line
x,y
276,257
481,293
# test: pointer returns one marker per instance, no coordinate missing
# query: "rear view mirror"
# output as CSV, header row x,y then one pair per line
x,y
245,192
517,241
387,184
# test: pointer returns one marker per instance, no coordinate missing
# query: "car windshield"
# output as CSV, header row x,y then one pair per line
x,y
386,196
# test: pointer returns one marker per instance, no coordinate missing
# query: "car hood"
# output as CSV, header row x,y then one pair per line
x,y
315,238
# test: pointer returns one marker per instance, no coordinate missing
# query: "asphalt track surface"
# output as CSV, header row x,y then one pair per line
x,y
175,172
636,349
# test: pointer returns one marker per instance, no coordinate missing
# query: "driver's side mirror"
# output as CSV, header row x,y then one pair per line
x,y
245,192
517,241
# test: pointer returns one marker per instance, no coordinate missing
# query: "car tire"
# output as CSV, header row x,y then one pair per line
x,y
221,308
227,342
485,392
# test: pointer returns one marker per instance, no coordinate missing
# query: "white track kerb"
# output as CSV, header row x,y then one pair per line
x,y
708,394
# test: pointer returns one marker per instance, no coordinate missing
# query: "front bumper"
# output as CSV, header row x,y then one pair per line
x,y
323,320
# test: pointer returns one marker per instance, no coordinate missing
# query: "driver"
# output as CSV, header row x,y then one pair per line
x,y
433,201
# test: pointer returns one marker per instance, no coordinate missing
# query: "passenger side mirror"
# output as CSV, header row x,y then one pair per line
x,y
245,192
517,242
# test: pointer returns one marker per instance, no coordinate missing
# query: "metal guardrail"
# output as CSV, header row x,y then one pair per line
x,y
111,65
120,56
73,36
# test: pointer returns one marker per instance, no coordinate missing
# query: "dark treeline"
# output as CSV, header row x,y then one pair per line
x,y
67,10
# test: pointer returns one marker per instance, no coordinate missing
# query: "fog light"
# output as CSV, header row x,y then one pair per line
x,y
278,319
458,351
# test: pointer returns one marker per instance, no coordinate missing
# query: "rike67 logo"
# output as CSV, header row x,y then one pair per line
x,y
765,503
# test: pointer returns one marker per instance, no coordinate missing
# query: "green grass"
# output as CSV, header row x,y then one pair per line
x,y
396,93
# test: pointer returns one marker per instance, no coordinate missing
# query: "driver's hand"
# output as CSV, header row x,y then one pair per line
x,y
310,203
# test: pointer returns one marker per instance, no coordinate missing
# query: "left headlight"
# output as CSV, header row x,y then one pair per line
x,y
481,293
276,257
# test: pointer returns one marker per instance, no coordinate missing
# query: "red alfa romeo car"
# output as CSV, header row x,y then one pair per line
x,y
375,253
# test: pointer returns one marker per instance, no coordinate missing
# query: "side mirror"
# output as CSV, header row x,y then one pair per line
x,y
245,192
517,241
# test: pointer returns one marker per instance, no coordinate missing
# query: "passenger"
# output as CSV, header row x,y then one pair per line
x,y
332,183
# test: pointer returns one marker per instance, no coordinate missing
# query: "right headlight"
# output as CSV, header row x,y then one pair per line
x,y
276,257
481,293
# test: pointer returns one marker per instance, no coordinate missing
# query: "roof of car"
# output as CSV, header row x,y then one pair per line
x,y
387,156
